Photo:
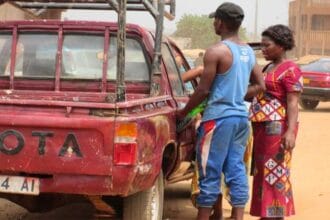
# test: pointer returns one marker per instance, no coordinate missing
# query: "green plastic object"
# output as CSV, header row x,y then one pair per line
x,y
190,116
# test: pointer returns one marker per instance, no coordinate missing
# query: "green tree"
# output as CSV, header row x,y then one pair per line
x,y
200,29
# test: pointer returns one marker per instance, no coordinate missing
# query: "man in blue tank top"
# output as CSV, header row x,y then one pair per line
x,y
230,76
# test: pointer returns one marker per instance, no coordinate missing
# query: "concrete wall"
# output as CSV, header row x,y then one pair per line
x,y
11,12
309,19
51,14
183,43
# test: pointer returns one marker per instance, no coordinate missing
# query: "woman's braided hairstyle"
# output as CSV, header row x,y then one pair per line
x,y
282,35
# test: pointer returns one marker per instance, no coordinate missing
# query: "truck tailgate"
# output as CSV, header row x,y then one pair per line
x,y
56,144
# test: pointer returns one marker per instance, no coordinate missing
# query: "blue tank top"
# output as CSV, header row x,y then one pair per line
x,y
229,89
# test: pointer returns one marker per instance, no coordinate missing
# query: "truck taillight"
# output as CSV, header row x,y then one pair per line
x,y
125,153
125,146
126,130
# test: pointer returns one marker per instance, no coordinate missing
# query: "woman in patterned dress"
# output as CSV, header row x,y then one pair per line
x,y
274,116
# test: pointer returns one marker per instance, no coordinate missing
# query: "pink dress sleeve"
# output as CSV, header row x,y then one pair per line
x,y
293,81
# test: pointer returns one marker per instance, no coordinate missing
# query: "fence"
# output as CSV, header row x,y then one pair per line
x,y
315,42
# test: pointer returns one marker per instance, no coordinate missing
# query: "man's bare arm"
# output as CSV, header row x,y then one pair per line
x,y
210,69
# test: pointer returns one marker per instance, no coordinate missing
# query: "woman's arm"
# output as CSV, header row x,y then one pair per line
x,y
257,83
192,74
289,137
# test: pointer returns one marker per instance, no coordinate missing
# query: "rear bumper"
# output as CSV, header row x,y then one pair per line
x,y
116,184
315,93
123,181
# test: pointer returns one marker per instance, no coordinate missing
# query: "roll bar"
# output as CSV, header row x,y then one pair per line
x,y
155,7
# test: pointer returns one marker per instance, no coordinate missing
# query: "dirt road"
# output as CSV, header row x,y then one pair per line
x,y
310,177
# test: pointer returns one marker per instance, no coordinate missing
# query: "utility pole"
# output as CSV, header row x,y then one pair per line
x,y
256,20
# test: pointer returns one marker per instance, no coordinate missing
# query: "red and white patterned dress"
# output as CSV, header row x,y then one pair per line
x,y
272,193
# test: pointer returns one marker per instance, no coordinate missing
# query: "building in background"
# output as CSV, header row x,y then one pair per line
x,y
182,42
310,21
12,11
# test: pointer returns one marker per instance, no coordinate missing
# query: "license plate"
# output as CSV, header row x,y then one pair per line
x,y
306,81
19,185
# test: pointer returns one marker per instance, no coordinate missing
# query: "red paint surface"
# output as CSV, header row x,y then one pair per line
x,y
91,115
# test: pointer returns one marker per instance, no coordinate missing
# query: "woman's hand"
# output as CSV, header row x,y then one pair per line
x,y
289,140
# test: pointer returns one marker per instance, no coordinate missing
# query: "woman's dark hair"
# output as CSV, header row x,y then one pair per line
x,y
281,34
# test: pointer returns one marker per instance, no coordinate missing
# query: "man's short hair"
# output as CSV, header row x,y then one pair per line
x,y
229,13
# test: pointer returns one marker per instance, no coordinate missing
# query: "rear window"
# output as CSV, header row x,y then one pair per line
x,y
322,66
136,65
82,57
36,55
5,53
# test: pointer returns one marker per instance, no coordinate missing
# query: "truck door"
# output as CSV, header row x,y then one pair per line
x,y
180,92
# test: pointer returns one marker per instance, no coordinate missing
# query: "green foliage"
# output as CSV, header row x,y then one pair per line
x,y
200,29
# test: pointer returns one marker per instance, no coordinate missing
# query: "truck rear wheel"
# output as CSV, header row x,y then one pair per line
x,y
308,104
146,205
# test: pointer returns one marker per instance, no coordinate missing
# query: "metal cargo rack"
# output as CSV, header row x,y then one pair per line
x,y
157,8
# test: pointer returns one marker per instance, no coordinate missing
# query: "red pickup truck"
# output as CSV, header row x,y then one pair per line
x,y
81,116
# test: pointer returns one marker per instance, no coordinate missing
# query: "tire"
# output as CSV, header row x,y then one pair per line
x,y
146,205
308,104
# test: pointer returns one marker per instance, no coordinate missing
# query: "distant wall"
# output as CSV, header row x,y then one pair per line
x,y
51,14
12,12
310,21
9,11
183,43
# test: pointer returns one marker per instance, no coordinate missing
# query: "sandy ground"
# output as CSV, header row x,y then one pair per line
x,y
310,178
310,173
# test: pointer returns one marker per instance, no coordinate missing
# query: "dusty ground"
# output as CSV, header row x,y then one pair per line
x,y
310,177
